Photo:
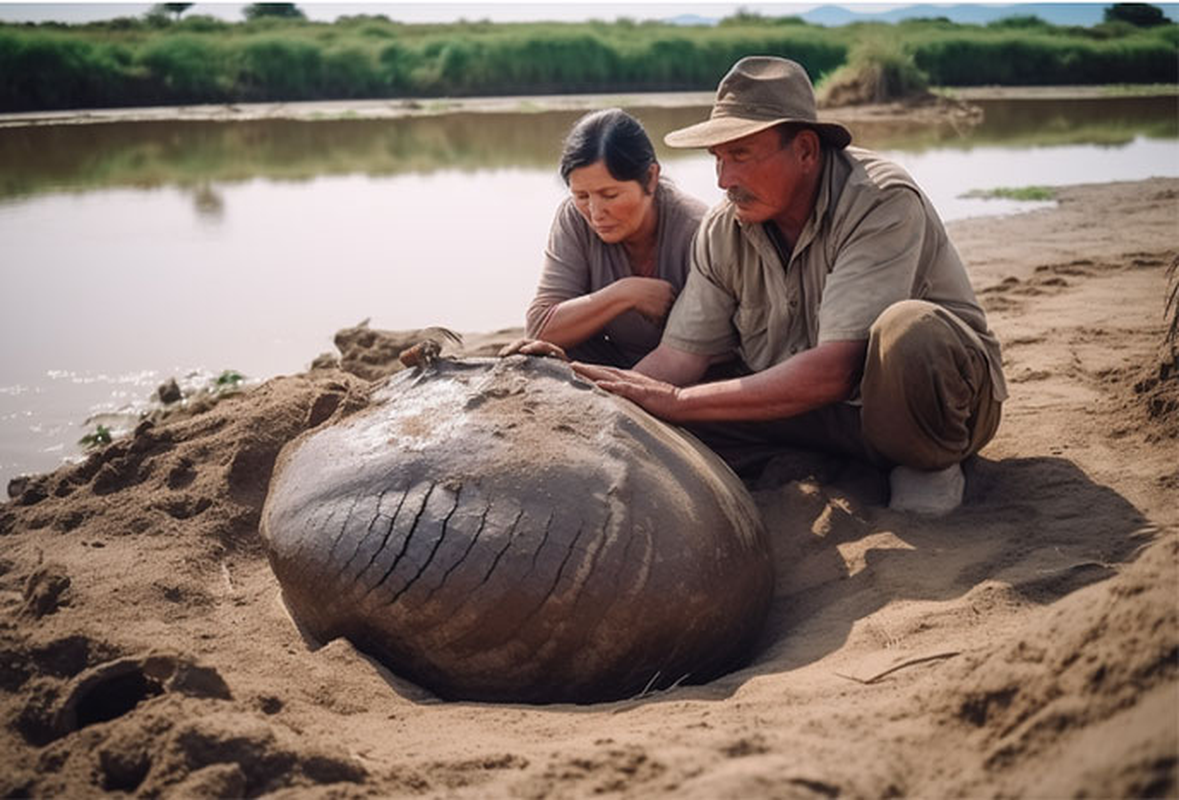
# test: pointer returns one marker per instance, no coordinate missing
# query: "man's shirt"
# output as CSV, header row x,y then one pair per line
x,y
873,239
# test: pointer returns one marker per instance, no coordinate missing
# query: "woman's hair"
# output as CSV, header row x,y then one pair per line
x,y
613,137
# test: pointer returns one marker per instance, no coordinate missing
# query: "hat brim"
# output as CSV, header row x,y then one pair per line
x,y
719,130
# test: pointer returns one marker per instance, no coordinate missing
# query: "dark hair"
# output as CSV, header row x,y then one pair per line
x,y
613,137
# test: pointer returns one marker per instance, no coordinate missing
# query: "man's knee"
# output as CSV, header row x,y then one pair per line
x,y
906,331
922,385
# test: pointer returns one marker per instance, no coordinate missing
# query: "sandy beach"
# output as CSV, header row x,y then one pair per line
x,y
1026,645
432,106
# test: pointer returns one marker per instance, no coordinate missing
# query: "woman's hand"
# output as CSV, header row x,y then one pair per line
x,y
651,297
533,347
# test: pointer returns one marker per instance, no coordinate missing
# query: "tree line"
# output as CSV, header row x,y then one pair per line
x,y
167,57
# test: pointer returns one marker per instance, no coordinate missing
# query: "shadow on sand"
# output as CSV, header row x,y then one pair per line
x,y
1031,531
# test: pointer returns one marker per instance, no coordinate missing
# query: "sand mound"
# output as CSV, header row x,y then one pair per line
x,y
1024,646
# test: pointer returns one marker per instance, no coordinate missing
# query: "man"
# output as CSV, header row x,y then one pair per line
x,y
829,274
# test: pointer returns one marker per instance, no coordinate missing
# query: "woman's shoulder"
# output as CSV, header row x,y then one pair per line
x,y
568,223
566,210
681,208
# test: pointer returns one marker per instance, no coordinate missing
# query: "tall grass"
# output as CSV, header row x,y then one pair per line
x,y
878,70
132,61
48,70
1015,58
189,68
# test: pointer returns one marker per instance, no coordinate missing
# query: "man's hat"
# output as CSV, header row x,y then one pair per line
x,y
758,93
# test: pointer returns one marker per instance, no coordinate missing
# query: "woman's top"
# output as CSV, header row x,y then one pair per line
x,y
577,262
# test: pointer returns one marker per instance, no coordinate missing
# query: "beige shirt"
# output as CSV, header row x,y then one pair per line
x,y
577,262
873,239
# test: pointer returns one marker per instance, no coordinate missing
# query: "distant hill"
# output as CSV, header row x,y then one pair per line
x,y
1084,14
690,19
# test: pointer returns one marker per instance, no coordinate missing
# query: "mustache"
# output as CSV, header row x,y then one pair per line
x,y
736,194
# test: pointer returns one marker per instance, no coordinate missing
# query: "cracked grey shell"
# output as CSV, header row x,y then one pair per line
x,y
502,530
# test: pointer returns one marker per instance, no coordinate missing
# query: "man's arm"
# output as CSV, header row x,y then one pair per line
x,y
817,377
672,365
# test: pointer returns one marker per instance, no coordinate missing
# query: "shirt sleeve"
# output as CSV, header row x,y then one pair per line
x,y
566,270
701,321
875,267
680,219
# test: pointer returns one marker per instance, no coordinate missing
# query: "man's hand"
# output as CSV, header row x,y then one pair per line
x,y
533,347
817,377
657,397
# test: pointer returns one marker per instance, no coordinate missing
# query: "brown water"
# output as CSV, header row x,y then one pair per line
x,y
132,252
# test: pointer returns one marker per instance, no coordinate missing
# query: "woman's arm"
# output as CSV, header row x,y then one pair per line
x,y
570,322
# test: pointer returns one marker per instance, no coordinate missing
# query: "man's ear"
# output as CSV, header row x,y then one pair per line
x,y
807,147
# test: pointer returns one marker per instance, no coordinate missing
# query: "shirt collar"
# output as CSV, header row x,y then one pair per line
x,y
823,200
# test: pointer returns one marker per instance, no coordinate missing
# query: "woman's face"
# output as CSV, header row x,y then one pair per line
x,y
615,209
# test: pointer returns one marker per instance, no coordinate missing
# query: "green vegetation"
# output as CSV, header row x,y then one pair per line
x,y
276,55
99,438
280,10
1041,193
229,380
878,70
1046,56
1142,15
177,9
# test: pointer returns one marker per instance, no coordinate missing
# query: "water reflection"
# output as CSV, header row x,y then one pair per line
x,y
209,203
152,249
1032,124
1079,121
38,159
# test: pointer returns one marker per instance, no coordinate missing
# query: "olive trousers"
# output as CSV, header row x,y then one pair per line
x,y
926,401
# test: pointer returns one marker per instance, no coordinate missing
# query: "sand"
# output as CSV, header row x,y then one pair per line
x,y
1026,645
399,108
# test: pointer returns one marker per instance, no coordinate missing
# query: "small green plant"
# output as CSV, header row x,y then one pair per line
x,y
99,438
229,380
1025,193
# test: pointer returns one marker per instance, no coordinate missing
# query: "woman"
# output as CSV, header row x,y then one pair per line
x,y
619,246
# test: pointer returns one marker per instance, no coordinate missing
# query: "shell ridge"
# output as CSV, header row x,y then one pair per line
x,y
385,538
405,542
433,550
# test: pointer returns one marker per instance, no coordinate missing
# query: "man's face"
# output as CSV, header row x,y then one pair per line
x,y
758,174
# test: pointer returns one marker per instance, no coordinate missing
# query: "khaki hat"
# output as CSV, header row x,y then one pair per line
x,y
758,93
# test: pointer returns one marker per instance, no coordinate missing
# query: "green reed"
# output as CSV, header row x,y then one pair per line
x,y
141,61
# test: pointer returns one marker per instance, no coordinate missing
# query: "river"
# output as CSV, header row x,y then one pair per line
x,y
136,251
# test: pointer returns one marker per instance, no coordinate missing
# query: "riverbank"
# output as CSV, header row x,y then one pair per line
x,y
1024,646
399,109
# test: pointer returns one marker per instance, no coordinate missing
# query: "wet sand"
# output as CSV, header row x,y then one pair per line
x,y
1026,645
